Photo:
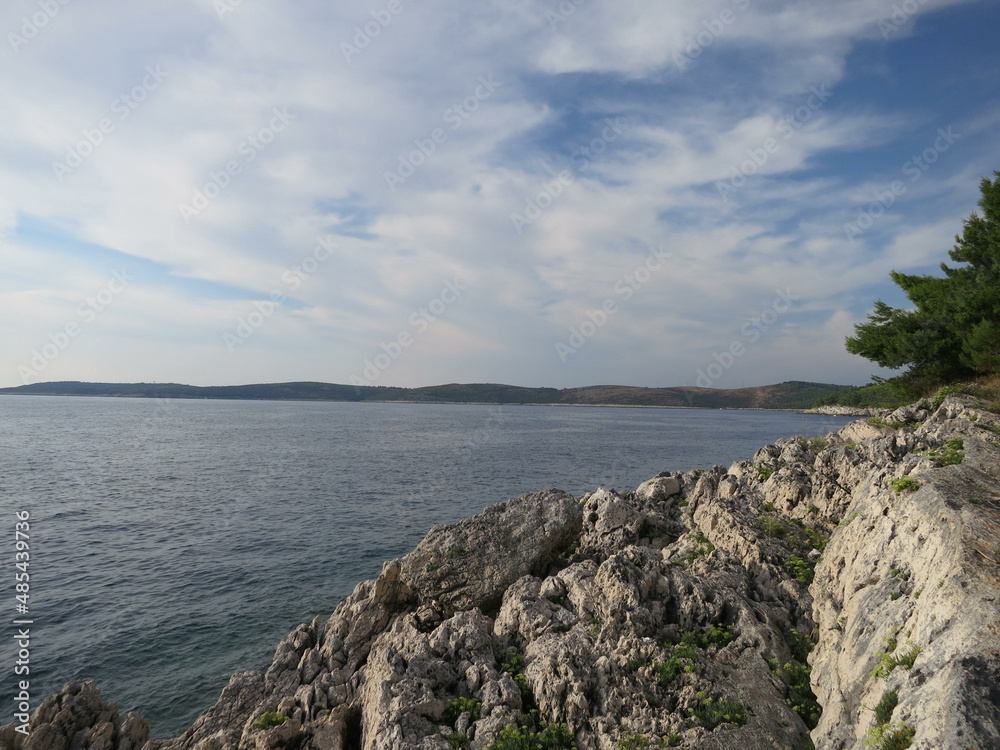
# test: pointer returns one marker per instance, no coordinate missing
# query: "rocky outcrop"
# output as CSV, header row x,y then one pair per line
x,y
836,591
848,411
75,718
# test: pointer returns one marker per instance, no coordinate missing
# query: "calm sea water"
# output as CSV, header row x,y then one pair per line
x,y
176,542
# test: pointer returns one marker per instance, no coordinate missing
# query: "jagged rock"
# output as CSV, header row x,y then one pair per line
x,y
682,609
848,411
470,564
77,717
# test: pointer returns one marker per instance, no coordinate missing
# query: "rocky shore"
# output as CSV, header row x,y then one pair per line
x,y
848,411
836,592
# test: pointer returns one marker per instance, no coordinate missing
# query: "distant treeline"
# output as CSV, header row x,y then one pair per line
x,y
789,395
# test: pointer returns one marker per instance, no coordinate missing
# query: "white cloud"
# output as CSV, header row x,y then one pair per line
x,y
324,172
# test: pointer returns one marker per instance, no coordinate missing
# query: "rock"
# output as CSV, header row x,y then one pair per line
x,y
470,564
659,489
77,717
847,411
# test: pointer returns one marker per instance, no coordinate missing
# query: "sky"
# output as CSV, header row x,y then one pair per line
x,y
416,192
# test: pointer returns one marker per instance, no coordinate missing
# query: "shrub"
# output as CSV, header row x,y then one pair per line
x,y
879,422
512,663
720,635
814,444
773,527
632,742
459,706
770,507
801,570
530,734
458,741
667,671
890,737
904,484
885,707
953,453
801,698
270,719
765,471
816,537
800,644
888,661
943,393
711,712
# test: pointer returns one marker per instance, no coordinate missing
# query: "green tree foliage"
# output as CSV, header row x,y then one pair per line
x,y
953,330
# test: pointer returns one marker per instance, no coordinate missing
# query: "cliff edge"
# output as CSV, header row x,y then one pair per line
x,y
836,592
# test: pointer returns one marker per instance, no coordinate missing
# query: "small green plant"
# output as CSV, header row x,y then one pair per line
x,y
943,393
953,453
710,712
902,575
431,567
673,740
596,626
770,507
847,521
529,733
800,644
890,737
270,719
801,570
765,471
561,599
455,708
773,527
634,665
801,698
904,484
885,707
632,742
667,671
720,635
888,661
454,552
813,509
917,593
975,501
816,537
512,663
895,595
458,741
815,444
879,422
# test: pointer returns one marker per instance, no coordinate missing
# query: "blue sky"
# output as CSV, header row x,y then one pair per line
x,y
412,192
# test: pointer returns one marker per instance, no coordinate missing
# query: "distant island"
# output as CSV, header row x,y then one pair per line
x,y
789,395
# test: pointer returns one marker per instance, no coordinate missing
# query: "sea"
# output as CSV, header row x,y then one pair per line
x,y
172,543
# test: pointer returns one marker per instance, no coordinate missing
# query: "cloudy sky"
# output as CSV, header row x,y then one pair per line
x,y
412,192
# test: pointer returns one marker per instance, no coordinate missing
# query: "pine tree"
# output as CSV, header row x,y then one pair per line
x,y
953,330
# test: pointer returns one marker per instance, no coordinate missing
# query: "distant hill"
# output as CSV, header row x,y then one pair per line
x,y
789,395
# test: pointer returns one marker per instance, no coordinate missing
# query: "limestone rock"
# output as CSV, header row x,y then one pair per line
x,y
471,563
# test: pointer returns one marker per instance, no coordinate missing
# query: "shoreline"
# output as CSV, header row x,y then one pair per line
x,y
800,410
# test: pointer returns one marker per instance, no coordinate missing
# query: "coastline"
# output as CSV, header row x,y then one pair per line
x,y
610,586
